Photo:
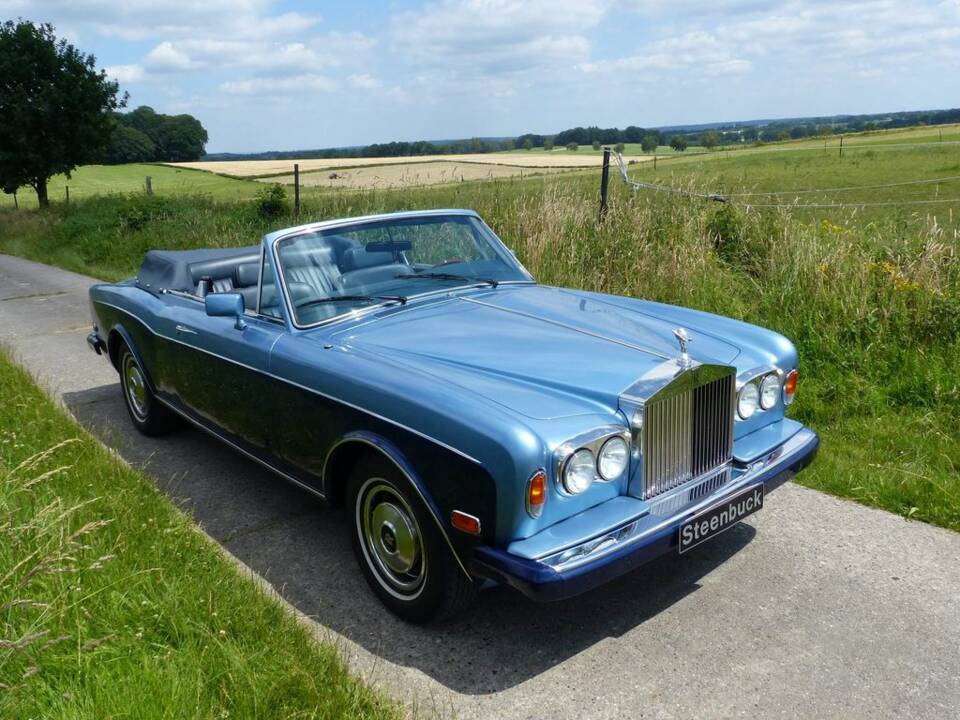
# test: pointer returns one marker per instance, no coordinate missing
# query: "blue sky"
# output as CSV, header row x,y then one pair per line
x,y
265,74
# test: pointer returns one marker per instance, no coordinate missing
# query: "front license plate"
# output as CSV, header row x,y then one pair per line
x,y
714,521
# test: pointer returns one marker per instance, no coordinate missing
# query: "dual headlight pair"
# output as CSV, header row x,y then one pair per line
x,y
582,468
764,391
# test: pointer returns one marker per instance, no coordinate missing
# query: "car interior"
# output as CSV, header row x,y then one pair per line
x,y
344,266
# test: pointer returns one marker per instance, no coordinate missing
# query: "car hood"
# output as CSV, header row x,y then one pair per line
x,y
539,351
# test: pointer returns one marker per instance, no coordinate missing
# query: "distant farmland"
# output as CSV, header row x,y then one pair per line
x,y
410,175
263,168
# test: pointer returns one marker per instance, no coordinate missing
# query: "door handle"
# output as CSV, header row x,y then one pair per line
x,y
184,329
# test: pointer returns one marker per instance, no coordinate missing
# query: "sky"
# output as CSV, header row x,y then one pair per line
x,y
285,75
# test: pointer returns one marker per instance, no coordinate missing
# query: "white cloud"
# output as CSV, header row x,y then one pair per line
x,y
364,81
495,44
139,19
125,73
329,50
273,87
733,37
166,57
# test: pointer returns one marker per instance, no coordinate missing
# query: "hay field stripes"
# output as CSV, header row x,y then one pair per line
x,y
263,168
381,177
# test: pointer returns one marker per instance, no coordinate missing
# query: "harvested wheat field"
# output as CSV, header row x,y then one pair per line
x,y
378,177
257,168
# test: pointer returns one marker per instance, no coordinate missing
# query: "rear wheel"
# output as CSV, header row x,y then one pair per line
x,y
147,413
402,554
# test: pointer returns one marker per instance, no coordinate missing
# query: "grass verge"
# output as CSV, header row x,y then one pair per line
x,y
113,605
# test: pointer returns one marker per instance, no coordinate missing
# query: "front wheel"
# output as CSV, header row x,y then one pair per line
x,y
402,554
148,415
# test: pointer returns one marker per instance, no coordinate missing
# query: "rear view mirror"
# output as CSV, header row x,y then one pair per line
x,y
226,305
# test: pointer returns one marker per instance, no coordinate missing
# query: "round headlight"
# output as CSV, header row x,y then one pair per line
x,y
769,391
578,472
748,400
612,460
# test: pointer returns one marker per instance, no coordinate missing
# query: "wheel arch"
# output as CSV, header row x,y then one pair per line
x,y
118,336
349,449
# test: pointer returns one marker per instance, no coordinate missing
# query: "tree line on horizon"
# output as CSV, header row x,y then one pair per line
x,y
679,138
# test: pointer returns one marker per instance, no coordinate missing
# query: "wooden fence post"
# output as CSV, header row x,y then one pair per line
x,y
841,147
604,182
148,185
296,189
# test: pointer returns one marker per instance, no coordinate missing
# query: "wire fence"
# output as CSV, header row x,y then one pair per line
x,y
731,198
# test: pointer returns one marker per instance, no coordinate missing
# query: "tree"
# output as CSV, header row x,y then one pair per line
x,y
595,144
528,144
129,145
548,144
678,143
619,147
710,140
55,107
649,143
572,146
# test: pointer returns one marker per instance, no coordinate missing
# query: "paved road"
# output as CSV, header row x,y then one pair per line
x,y
816,607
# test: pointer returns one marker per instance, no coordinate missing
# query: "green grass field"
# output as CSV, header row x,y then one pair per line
x,y
114,605
94,180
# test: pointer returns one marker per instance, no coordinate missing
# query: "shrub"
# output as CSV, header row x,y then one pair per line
x,y
271,201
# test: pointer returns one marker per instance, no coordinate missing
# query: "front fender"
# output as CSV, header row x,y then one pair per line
x,y
436,488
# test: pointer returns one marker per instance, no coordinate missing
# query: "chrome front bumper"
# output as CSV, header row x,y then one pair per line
x,y
543,569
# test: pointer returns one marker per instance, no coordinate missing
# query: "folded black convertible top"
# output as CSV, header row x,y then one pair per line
x,y
182,269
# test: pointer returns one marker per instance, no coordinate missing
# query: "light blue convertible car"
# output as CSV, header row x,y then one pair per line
x,y
475,425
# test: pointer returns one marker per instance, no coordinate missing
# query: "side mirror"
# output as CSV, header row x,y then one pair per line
x,y
226,305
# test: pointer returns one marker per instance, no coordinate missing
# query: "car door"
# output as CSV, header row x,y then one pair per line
x,y
221,374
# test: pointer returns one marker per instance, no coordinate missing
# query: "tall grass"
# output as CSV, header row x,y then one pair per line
x,y
113,605
872,302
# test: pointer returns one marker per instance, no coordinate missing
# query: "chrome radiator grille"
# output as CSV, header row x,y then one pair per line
x,y
687,434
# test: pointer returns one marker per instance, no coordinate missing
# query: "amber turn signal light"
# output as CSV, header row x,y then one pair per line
x,y
536,493
790,386
465,523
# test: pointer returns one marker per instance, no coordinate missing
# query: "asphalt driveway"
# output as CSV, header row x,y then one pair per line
x,y
815,607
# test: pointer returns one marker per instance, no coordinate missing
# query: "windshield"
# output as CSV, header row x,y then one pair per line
x,y
333,271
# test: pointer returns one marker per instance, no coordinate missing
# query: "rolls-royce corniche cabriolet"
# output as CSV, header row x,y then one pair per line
x,y
476,426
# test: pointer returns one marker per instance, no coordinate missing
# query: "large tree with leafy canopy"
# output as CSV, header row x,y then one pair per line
x,y
55,107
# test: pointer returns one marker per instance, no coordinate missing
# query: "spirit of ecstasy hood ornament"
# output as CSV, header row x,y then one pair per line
x,y
683,338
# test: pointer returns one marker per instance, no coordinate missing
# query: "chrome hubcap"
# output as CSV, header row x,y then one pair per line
x,y
390,538
136,389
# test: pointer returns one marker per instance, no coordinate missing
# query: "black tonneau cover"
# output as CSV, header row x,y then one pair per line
x,y
182,269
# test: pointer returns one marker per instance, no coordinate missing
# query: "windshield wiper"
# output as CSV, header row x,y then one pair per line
x,y
355,298
447,276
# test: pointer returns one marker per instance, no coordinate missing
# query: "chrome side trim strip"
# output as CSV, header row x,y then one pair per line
x,y
647,524
219,436
416,432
